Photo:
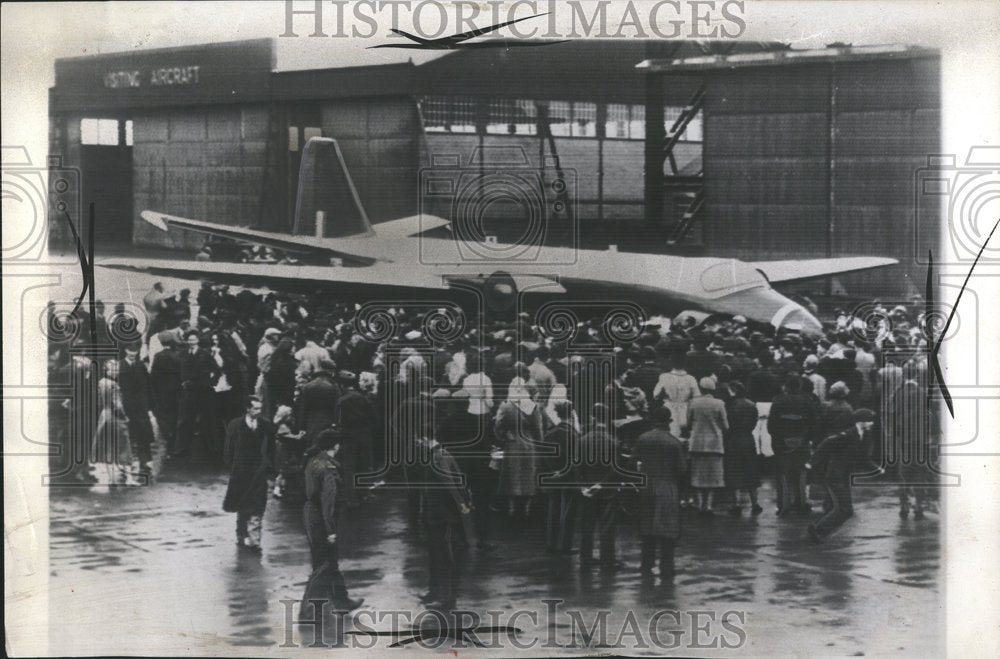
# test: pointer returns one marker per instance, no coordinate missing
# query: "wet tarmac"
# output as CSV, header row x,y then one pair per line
x,y
156,570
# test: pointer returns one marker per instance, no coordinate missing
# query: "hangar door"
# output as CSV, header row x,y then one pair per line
x,y
106,177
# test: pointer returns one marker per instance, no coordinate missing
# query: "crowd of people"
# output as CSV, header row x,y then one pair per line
x,y
297,398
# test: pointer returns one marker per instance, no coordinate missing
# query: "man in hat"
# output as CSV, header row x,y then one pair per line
x,y
199,372
836,458
446,509
266,348
356,418
819,382
317,402
165,382
136,399
321,512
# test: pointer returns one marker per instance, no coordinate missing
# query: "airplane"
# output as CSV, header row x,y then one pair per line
x,y
457,41
396,260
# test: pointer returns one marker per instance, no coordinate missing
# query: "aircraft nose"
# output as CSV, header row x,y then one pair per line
x,y
766,305
793,316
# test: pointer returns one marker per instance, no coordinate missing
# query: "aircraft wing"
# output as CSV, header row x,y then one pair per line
x,y
786,271
279,276
337,247
374,279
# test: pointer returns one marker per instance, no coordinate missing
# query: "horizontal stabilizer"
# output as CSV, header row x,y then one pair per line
x,y
406,227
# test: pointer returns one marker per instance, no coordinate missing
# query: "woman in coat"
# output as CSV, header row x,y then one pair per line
x,y
707,424
660,457
741,459
519,431
676,389
112,444
281,377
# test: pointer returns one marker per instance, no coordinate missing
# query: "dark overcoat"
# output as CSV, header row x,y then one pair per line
x,y
662,461
250,456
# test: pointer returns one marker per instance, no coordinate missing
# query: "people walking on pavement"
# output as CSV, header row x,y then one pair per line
x,y
249,454
321,513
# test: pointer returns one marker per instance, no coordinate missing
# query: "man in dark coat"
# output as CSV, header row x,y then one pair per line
x,y
317,401
557,480
322,482
468,435
791,422
165,381
250,456
446,509
133,378
600,479
661,459
198,375
356,418
836,458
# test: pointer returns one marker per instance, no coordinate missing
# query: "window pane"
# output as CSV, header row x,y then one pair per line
x,y
511,117
637,122
560,116
311,132
435,114
584,119
107,132
293,138
527,117
88,131
501,117
462,114
616,124
694,129
128,132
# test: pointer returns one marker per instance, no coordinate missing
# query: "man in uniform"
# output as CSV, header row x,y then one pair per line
x,y
322,485
446,510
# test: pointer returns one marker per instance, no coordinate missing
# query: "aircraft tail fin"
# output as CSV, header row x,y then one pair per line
x,y
327,204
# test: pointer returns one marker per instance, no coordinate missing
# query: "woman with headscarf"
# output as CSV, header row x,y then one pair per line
x,y
707,423
519,431
281,377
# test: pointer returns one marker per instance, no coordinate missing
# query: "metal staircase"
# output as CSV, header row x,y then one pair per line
x,y
686,187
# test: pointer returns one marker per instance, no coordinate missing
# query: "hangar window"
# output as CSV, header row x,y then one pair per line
x,y
625,121
449,114
693,131
510,116
102,132
128,132
573,118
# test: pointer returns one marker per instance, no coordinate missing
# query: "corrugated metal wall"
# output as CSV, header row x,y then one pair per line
x,y
819,160
199,163
379,140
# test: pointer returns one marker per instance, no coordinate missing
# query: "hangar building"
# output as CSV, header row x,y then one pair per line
x,y
749,150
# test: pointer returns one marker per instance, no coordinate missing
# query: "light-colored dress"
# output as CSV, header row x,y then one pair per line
x,y
111,444
678,387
